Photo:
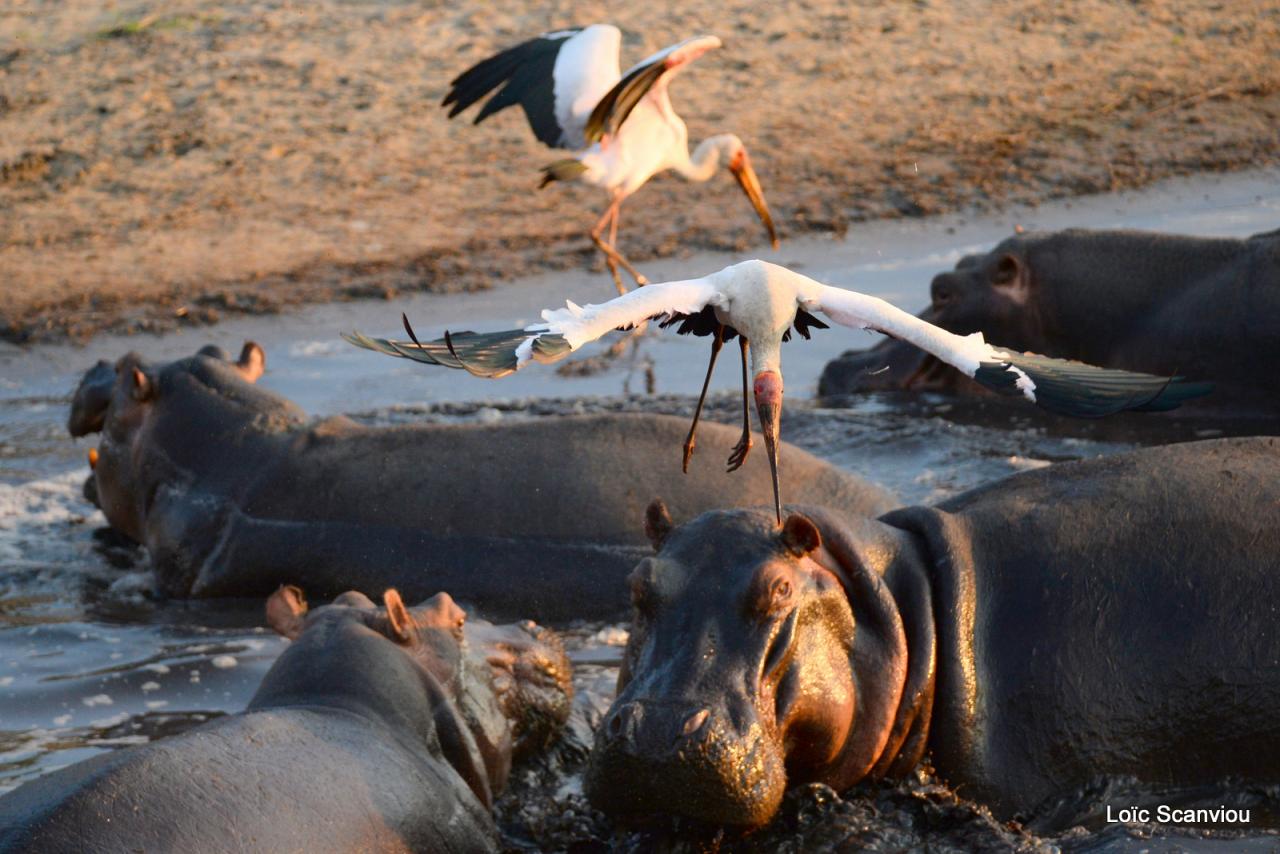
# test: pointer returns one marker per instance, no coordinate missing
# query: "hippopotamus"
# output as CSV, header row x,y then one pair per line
x,y
1116,616
234,490
1208,308
377,729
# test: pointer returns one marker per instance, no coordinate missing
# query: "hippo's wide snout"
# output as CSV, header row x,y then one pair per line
x,y
889,366
660,756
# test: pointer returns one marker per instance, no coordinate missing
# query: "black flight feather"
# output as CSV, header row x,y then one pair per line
x,y
528,70
1085,391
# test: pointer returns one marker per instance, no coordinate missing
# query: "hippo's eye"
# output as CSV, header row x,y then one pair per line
x,y
779,593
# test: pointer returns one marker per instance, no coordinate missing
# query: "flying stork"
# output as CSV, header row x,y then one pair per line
x,y
622,128
760,303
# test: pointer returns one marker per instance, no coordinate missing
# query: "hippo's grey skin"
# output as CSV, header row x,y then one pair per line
x,y
377,730
1119,616
234,491
1206,308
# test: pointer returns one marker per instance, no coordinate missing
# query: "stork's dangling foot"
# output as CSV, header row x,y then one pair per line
x,y
641,281
716,343
610,214
740,450
612,257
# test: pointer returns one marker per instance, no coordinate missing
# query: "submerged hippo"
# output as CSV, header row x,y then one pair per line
x,y
1208,308
234,490
1119,616
377,730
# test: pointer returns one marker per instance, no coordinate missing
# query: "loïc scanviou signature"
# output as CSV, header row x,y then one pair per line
x,y
1165,814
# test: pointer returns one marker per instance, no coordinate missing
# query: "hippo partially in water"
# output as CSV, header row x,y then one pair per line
x,y
1208,308
378,729
1117,616
234,491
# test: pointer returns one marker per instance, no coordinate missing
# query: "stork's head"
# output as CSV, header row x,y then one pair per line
x,y
740,166
767,389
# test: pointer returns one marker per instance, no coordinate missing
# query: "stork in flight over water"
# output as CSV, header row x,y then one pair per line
x,y
621,126
760,303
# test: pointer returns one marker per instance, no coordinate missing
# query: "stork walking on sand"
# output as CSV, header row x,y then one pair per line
x,y
622,127
761,303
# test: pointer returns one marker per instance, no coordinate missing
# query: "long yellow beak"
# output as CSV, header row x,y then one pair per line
x,y
740,166
768,394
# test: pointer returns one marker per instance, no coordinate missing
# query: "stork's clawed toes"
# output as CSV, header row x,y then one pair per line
x,y
689,445
740,451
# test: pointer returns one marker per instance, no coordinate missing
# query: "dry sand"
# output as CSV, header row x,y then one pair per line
x,y
167,163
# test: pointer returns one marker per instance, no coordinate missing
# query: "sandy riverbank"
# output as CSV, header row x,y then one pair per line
x,y
170,164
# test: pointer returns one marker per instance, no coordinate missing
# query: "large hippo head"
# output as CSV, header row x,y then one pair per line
x,y
759,655
989,293
489,693
124,403
98,388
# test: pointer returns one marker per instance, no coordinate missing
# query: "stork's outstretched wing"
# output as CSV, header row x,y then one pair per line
x,y
650,75
562,330
1058,385
557,78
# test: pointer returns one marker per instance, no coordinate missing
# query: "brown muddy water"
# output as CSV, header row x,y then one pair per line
x,y
91,660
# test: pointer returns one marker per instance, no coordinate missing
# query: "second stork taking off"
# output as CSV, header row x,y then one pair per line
x,y
761,304
621,126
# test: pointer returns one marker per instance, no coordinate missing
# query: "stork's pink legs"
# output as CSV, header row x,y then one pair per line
x,y
612,256
740,450
690,442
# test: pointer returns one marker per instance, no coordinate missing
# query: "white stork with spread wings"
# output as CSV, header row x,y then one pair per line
x,y
622,126
761,303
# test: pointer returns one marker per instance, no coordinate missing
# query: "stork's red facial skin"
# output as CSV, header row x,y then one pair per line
x,y
768,388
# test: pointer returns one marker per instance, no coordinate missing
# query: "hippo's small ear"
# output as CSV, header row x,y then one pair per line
x,y
1006,269
657,523
285,610
800,535
398,616
1010,278
253,361
140,385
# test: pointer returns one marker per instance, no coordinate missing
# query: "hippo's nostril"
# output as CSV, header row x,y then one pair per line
x,y
623,721
695,722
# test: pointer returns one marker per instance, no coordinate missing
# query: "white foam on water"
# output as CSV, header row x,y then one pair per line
x,y
43,511
223,662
